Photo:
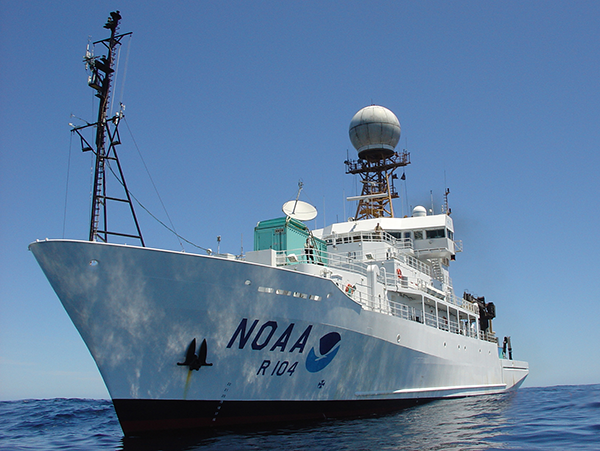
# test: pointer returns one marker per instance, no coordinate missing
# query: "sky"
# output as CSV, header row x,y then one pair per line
x,y
230,104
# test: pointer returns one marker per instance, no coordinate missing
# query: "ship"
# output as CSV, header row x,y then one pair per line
x,y
354,319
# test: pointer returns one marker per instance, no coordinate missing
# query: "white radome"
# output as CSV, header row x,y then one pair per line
x,y
419,211
374,128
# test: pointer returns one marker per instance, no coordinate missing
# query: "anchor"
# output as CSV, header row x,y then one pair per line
x,y
193,361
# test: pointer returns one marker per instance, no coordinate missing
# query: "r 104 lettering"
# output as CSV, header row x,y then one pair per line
x,y
279,369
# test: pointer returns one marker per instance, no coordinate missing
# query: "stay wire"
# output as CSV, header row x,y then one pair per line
x,y
153,184
67,185
116,76
125,69
150,213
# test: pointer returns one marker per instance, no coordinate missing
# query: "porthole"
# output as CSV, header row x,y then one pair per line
x,y
93,263
247,282
398,338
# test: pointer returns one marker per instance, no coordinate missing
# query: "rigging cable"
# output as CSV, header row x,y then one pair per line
x,y
125,69
116,73
154,185
154,217
67,185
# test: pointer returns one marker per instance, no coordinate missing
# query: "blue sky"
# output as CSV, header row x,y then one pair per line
x,y
231,103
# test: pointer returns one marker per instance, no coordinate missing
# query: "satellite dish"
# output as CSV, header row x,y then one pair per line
x,y
299,210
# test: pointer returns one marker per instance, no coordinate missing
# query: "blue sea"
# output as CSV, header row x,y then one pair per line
x,y
561,418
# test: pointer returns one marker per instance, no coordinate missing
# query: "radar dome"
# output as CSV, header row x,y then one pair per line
x,y
419,211
374,132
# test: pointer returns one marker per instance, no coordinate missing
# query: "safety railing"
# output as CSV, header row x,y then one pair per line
x,y
350,261
353,262
371,236
488,336
359,294
442,323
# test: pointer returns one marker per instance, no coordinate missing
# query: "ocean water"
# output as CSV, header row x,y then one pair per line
x,y
560,418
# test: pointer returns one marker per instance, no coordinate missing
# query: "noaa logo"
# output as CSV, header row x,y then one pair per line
x,y
329,345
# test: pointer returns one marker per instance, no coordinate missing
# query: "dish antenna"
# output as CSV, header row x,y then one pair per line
x,y
297,209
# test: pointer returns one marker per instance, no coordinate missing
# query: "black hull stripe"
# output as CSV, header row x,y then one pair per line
x,y
147,416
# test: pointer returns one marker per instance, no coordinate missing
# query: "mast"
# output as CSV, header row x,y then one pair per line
x,y
107,136
377,176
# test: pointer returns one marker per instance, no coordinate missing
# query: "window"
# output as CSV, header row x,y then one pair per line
x,y
450,235
418,234
436,233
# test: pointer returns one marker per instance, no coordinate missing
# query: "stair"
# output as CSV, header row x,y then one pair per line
x,y
436,270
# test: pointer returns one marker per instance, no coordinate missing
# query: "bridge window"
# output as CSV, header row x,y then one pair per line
x,y
418,234
436,233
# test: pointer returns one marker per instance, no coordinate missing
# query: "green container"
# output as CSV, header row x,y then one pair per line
x,y
287,234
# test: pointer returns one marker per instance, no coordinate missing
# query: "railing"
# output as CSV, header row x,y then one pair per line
x,y
488,336
350,261
347,261
385,237
406,312
458,246
371,236
453,327
416,264
384,305
353,262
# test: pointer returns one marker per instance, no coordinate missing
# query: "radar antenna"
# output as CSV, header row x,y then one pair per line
x,y
102,69
374,132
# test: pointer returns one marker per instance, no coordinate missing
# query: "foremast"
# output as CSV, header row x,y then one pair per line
x,y
107,136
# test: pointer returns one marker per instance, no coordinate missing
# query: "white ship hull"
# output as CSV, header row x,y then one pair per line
x,y
282,344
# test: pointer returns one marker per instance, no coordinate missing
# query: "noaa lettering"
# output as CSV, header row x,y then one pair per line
x,y
265,334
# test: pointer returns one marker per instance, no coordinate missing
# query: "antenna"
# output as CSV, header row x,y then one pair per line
x,y
374,132
298,209
300,186
106,136
445,208
431,194
323,214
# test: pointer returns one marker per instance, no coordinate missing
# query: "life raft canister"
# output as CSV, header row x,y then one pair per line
x,y
399,273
